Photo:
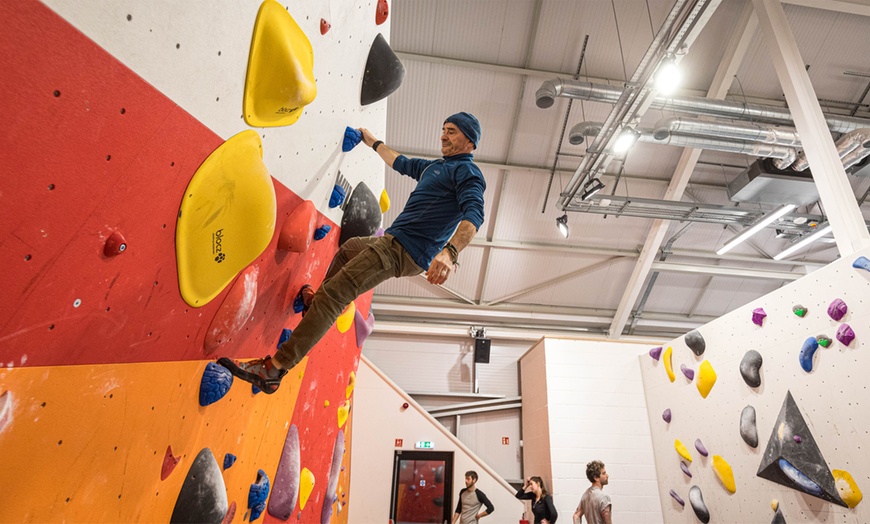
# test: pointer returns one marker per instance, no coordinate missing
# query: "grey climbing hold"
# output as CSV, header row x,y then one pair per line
x,y
695,342
750,368
332,482
808,350
778,517
362,214
383,73
799,310
837,309
203,495
696,499
845,334
823,340
748,429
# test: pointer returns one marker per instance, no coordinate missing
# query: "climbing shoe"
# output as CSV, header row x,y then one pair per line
x,y
259,372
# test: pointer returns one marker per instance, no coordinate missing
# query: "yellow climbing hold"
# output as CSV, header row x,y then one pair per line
x,y
774,504
326,403
385,201
351,383
725,473
226,219
343,411
280,80
345,320
681,449
669,367
306,484
847,487
706,378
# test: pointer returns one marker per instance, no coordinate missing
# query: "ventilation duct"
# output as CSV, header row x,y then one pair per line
x,y
852,147
749,132
763,183
550,89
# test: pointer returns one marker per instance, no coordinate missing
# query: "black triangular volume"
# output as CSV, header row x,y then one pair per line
x,y
383,74
362,216
793,458
203,496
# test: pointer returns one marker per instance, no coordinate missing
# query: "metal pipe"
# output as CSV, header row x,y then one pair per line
x,y
749,132
687,104
786,154
852,141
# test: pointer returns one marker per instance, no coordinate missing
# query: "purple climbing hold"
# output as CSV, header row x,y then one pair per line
x,y
758,316
666,415
363,328
229,460
286,489
285,333
321,232
700,447
676,497
352,137
861,263
656,353
258,494
337,196
685,468
688,372
216,382
845,334
380,232
798,439
332,482
837,309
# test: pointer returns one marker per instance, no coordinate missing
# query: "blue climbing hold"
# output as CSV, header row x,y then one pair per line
x,y
337,197
861,263
258,494
322,231
229,460
352,137
807,351
216,381
255,389
285,333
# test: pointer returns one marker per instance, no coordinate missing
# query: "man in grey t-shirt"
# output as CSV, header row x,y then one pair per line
x,y
470,501
594,504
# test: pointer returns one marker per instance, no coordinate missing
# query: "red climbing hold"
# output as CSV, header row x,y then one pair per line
x,y
324,26
298,228
169,463
234,312
382,12
115,245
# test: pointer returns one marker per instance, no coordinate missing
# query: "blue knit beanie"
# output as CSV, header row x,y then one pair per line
x,y
468,124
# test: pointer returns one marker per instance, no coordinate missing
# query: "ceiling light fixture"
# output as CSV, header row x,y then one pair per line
x,y
562,224
803,243
626,139
759,224
593,186
668,77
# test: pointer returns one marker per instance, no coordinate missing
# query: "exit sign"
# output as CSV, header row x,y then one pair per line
x,y
505,440
398,443
425,444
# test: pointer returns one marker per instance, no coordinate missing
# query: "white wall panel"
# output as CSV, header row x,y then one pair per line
x,y
831,399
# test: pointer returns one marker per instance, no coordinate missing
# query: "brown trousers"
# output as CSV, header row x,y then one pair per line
x,y
360,264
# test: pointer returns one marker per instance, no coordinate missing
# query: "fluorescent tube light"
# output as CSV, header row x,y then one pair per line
x,y
803,243
759,224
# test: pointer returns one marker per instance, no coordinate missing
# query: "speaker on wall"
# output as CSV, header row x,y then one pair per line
x,y
481,350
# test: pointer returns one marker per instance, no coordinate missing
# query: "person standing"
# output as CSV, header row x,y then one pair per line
x,y
441,217
594,504
470,501
542,503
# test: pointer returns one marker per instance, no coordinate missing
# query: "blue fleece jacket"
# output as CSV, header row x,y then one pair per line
x,y
448,191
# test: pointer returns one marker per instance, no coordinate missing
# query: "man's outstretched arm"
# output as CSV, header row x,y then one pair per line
x,y
387,155
442,264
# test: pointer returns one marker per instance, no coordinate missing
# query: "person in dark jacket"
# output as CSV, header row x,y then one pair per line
x,y
470,501
542,503
441,217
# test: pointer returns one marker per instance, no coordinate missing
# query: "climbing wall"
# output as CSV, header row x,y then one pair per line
x,y
148,228
760,416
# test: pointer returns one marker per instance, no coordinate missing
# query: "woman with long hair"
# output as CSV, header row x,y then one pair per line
x,y
542,503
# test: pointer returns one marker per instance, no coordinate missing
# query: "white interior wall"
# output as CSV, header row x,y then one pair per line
x,y
833,400
196,53
596,407
378,421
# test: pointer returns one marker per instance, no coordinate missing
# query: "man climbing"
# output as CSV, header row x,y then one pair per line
x,y
448,200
